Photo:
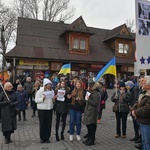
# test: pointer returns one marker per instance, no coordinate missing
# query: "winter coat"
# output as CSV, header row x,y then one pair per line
x,y
47,104
122,100
62,107
134,94
28,86
23,100
143,109
77,106
90,111
8,111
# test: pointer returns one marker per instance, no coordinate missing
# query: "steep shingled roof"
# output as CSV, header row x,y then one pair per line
x,y
38,39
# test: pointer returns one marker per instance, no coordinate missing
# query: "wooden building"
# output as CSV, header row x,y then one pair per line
x,y
43,47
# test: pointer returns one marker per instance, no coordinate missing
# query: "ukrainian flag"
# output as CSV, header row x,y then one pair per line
x,y
65,69
110,68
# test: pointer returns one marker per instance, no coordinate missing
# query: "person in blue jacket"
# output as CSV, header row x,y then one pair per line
x,y
23,101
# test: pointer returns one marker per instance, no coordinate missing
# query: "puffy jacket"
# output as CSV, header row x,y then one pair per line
x,y
23,99
47,104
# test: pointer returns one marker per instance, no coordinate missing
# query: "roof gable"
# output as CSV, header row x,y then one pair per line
x,y
78,26
120,32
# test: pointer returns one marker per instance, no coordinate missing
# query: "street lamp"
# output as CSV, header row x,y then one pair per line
x,y
3,48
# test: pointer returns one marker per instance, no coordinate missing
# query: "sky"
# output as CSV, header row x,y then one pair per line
x,y
106,14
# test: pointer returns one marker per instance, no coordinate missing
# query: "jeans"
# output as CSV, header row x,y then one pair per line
x,y
145,132
75,118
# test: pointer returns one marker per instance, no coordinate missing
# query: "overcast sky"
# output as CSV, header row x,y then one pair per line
x,y
102,13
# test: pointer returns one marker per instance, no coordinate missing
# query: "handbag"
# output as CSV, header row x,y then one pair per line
x,y
102,102
115,108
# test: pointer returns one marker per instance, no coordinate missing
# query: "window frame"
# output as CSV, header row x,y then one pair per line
x,y
123,50
79,47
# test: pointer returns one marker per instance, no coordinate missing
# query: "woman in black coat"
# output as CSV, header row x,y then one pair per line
x,y
61,107
8,111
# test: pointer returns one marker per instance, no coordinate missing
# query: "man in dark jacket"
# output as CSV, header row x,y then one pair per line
x,y
142,113
28,86
134,94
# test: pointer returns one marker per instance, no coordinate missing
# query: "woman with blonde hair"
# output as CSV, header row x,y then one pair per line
x,y
44,100
8,102
90,112
76,110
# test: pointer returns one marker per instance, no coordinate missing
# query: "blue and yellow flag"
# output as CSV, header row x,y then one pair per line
x,y
110,68
65,69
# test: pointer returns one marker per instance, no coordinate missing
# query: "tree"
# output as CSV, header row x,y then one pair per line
x,y
47,10
8,26
57,10
130,24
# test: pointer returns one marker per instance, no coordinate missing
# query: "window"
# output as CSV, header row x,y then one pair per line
x,y
82,44
76,44
79,44
123,48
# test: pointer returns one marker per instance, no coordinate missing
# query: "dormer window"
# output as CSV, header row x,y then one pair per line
x,y
79,44
123,48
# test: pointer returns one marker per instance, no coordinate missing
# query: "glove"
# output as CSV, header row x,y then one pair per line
x,y
8,102
11,104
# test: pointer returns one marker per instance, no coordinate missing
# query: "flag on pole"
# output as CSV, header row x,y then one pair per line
x,y
65,69
110,68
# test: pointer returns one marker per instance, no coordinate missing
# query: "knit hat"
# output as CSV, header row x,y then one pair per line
x,y
121,84
129,83
46,81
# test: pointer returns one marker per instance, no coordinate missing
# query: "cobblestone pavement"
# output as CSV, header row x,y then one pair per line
x,y
26,137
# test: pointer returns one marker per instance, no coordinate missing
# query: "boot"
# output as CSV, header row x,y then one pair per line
x,y
90,142
6,140
19,119
10,141
62,136
25,119
57,137
86,141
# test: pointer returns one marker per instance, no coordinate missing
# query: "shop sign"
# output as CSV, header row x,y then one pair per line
x,y
124,68
33,62
96,66
41,67
56,66
24,67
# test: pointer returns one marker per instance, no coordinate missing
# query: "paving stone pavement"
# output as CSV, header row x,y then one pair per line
x,y
26,137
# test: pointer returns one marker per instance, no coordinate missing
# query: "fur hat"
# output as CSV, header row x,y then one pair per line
x,y
46,81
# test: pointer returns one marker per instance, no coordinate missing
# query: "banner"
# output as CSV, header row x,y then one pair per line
x,y
142,8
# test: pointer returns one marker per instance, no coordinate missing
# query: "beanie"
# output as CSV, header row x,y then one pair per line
x,y
129,83
121,84
46,81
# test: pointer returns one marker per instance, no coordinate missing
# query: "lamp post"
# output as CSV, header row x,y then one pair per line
x,y
3,49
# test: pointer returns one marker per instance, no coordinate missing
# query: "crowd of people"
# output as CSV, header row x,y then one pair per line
x,y
134,100
79,101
